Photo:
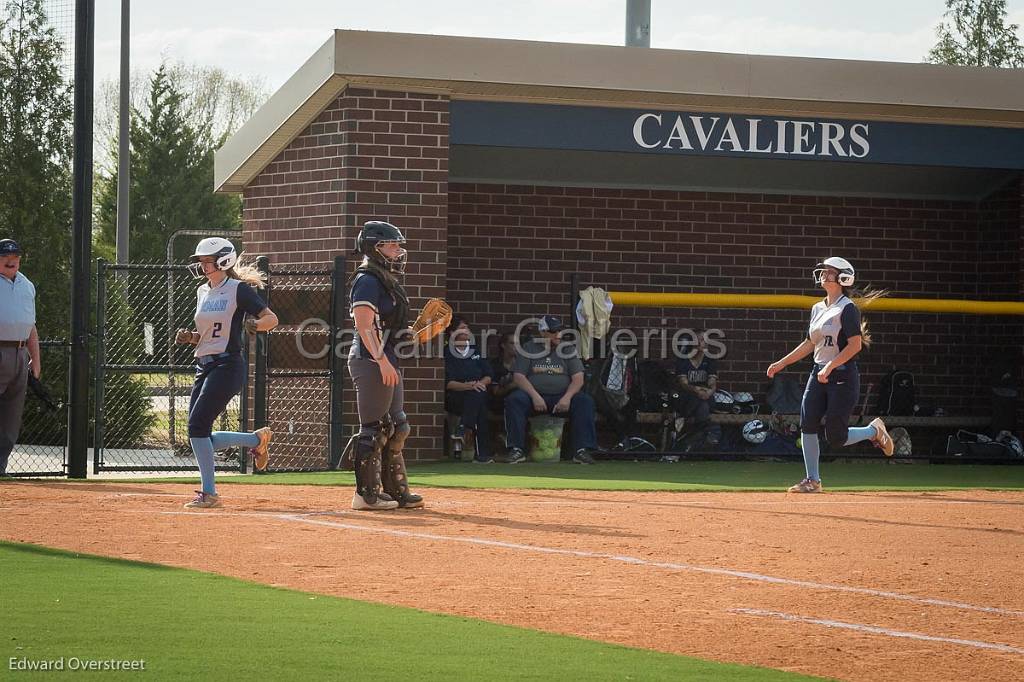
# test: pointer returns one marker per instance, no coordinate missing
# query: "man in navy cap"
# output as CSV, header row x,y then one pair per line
x,y
549,379
19,345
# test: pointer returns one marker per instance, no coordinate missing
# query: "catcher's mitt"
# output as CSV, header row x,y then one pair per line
x,y
432,320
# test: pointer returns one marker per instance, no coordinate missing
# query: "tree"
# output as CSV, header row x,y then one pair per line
x,y
171,184
214,99
35,157
977,35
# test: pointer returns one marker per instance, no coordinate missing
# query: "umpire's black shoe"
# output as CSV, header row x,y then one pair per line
x,y
582,456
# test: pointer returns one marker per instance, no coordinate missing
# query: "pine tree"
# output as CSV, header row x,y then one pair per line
x,y
35,157
977,35
172,176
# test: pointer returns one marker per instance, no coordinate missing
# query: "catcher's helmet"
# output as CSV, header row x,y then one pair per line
x,y
755,431
375,233
846,275
221,249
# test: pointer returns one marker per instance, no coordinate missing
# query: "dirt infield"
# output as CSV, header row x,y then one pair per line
x,y
864,586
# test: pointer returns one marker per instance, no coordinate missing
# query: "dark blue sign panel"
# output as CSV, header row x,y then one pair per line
x,y
649,131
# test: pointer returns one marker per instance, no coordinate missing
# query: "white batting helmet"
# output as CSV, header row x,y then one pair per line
x,y
221,249
847,275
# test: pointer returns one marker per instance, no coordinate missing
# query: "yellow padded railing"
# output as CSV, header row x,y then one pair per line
x,y
649,299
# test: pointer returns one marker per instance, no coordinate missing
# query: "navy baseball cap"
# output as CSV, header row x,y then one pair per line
x,y
9,247
550,323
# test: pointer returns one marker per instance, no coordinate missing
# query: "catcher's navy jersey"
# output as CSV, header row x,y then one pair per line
x,y
219,314
368,291
831,326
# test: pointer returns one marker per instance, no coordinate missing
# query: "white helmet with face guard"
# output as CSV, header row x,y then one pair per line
x,y
846,276
221,249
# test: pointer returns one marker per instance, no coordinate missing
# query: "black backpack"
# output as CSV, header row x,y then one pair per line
x,y
657,386
896,395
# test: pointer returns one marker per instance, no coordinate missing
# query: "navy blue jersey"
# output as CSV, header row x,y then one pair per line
x,y
698,375
831,327
219,314
368,291
465,367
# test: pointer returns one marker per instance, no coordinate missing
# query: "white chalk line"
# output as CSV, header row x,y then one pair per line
x,y
879,631
710,570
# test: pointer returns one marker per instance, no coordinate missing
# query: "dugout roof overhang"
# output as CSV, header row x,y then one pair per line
x,y
490,80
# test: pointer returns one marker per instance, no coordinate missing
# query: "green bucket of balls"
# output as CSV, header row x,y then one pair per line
x,y
546,438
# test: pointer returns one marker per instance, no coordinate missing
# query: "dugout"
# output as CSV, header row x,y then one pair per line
x,y
513,164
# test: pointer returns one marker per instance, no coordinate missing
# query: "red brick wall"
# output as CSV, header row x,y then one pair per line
x,y
512,248
370,155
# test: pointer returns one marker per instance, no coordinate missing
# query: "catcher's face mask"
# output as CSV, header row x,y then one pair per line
x,y
394,255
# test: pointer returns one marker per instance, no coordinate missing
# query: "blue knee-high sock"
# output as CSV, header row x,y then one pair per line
x,y
812,450
203,448
229,439
859,433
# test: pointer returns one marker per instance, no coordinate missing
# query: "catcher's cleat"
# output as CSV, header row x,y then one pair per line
x,y
882,438
261,453
383,502
203,501
410,501
806,486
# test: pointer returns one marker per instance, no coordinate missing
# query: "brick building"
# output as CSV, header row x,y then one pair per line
x,y
511,164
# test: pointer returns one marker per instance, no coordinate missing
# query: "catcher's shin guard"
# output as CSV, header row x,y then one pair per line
x,y
369,446
395,480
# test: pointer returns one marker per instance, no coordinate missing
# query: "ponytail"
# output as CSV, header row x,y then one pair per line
x,y
864,298
248,273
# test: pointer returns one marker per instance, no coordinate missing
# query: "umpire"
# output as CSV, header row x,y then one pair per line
x,y
19,344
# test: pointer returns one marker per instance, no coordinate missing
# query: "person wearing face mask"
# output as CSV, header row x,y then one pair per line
x,y
467,376
19,345
226,303
836,334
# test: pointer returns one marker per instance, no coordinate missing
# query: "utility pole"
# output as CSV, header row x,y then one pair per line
x,y
638,23
124,165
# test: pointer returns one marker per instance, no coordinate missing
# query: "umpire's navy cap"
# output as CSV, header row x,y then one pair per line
x,y
9,247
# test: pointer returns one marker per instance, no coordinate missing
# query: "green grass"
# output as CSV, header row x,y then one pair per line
x,y
684,476
58,604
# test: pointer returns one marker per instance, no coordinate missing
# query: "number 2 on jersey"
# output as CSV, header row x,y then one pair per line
x,y
216,330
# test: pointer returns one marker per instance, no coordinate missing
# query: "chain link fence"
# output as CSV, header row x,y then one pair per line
x,y
300,368
143,380
41,449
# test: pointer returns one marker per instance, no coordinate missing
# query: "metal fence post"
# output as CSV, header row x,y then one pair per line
x,y
101,350
339,307
259,401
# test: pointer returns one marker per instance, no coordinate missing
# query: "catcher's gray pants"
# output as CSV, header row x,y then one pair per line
x,y
13,382
373,398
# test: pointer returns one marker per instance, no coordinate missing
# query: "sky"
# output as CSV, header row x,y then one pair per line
x,y
270,40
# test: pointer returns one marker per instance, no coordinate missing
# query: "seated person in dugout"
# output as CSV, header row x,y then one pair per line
x,y
548,376
467,376
501,372
697,376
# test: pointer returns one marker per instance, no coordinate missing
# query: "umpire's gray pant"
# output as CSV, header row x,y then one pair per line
x,y
13,382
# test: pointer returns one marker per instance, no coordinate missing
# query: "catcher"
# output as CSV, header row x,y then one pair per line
x,y
380,309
